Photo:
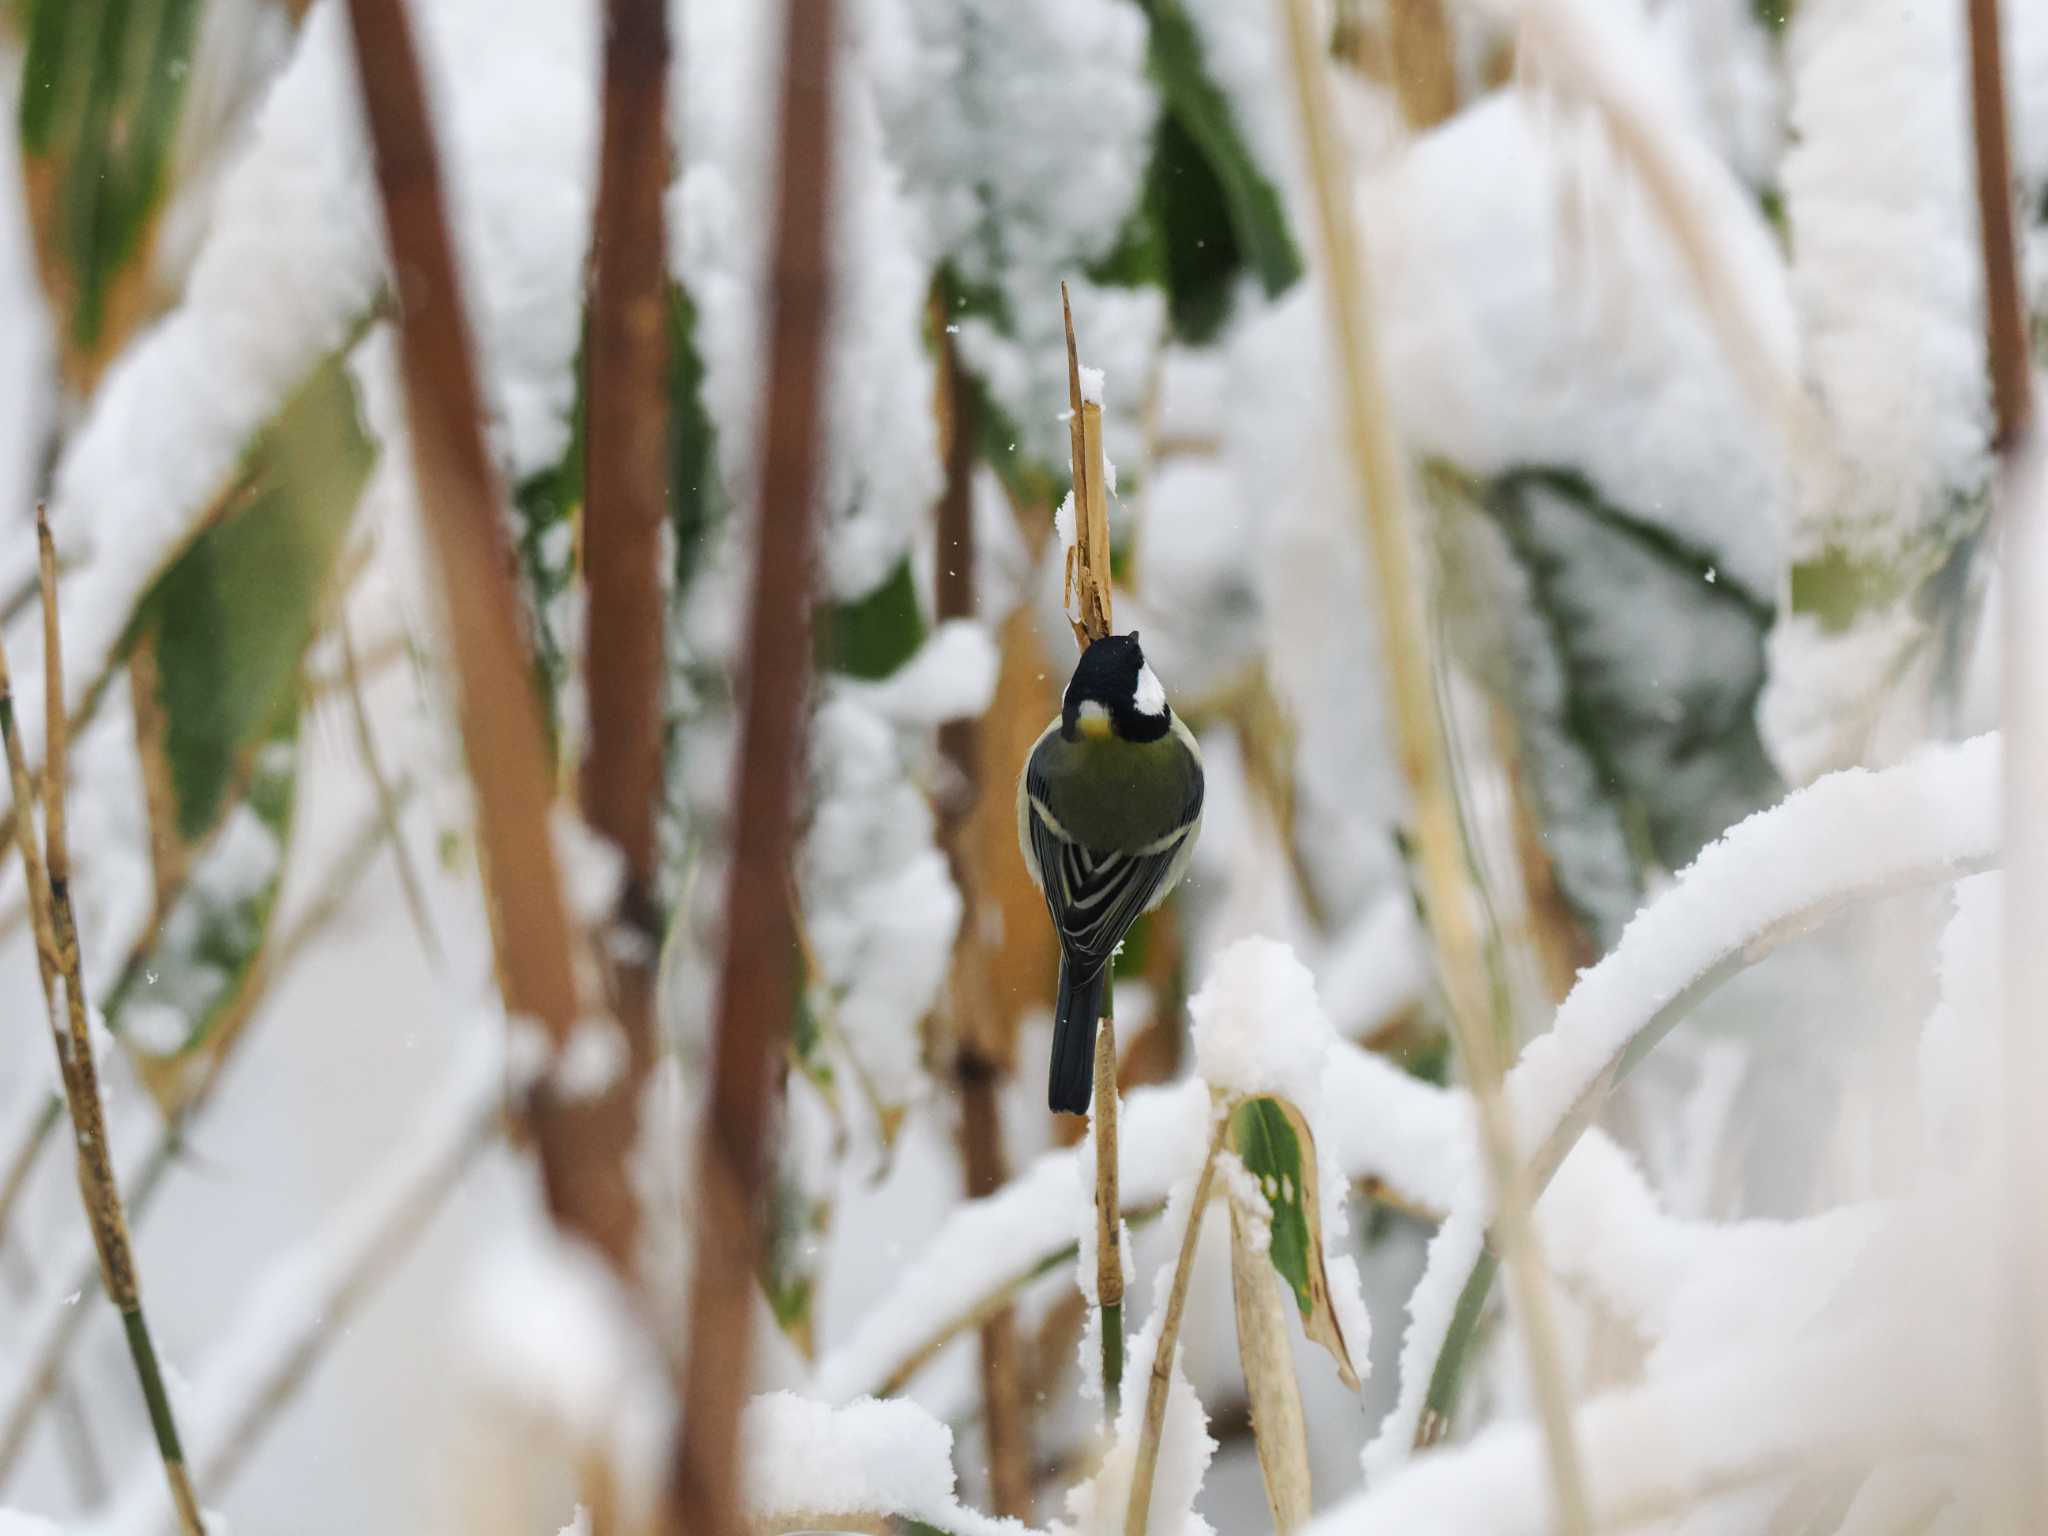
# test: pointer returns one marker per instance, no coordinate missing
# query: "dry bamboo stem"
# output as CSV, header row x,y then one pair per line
x,y
1444,865
982,1053
757,975
1146,1464
627,477
57,956
587,1187
1088,574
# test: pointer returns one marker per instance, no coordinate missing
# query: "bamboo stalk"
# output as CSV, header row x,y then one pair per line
x,y
626,473
57,954
587,1188
1146,1466
981,1045
1109,1259
1444,861
756,985
1088,573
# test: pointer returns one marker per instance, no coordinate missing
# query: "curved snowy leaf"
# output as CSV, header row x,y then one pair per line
x,y
225,629
1636,666
1849,838
102,89
1197,108
1272,1139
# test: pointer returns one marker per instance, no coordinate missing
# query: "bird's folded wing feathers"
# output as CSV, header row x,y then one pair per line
x,y
1095,896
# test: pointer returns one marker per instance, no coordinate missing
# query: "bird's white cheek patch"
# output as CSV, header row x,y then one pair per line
x,y
1150,698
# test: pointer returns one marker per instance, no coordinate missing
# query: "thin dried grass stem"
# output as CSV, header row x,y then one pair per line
x,y
409,882
1444,863
58,1331
1146,1465
57,954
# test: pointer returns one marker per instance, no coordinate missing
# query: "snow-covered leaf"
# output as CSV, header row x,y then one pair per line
x,y
1636,665
103,87
226,627
1271,1137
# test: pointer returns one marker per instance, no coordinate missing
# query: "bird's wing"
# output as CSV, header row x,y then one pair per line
x,y
1095,896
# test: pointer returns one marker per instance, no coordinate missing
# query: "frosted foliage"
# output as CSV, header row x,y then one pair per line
x,y
879,906
1885,271
1281,448
864,1459
1960,1050
1022,130
1589,350
1257,1025
1024,363
291,261
881,465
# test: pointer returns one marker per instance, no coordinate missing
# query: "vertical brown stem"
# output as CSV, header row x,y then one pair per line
x,y
626,496
756,987
2004,308
981,1048
463,509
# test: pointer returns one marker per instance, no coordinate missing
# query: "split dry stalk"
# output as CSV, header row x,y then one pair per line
x,y
1146,1465
1445,865
756,994
2021,1500
626,502
57,957
587,1187
1087,589
1087,574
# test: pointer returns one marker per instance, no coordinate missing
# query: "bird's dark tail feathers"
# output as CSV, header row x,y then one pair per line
x,y
1073,1038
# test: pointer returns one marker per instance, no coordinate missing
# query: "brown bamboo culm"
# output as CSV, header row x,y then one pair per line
x,y
756,994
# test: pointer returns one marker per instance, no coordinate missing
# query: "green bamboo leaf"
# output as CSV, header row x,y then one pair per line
x,y
227,625
103,87
1272,1139
1639,738
1200,110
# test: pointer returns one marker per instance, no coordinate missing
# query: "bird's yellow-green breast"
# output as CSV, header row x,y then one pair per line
x,y
1115,795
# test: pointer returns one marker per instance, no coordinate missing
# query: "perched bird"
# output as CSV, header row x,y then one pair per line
x,y
1108,808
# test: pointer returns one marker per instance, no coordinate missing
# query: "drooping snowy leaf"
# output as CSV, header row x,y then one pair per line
x,y
1271,1137
1634,666
103,87
1198,114
226,627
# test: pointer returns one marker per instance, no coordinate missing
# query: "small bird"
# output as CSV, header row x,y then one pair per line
x,y
1108,808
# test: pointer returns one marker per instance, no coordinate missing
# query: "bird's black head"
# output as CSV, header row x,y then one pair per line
x,y
1113,690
